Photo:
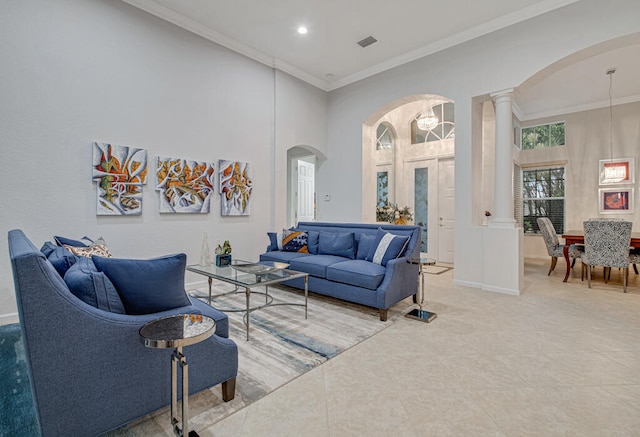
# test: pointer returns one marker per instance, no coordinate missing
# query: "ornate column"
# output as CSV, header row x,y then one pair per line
x,y
503,182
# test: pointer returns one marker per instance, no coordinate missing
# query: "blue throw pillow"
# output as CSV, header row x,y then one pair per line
x,y
337,244
313,241
273,241
83,242
386,246
93,287
147,286
364,245
59,257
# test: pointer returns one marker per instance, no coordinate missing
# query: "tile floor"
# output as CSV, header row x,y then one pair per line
x,y
558,360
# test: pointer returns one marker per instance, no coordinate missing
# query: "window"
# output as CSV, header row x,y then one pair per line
x,y
543,196
544,135
384,139
444,130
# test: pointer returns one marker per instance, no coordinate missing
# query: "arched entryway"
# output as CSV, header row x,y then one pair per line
x,y
408,166
302,163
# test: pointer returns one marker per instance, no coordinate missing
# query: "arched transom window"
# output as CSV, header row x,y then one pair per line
x,y
444,130
384,138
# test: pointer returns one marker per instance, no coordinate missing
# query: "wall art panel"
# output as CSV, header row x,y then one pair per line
x,y
236,186
120,172
185,186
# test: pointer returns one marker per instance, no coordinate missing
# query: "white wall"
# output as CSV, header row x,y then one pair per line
x,y
77,71
495,62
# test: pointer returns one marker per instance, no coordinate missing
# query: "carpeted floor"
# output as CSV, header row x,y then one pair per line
x,y
283,346
17,415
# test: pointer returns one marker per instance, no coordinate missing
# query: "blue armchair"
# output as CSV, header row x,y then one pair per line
x,y
88,368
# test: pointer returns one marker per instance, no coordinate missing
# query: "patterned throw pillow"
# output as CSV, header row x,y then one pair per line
x,y
99,248
294,241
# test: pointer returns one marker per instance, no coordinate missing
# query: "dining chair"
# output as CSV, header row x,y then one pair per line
x,y
607,244
552,241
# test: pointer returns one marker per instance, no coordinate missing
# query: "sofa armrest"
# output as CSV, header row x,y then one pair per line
x,y
400,281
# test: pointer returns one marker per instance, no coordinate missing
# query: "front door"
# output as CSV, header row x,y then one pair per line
x,y
430,194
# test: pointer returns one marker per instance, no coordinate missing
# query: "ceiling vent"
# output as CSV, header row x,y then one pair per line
x,y
367,41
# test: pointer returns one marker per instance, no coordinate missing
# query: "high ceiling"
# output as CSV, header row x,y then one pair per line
x,y
329,57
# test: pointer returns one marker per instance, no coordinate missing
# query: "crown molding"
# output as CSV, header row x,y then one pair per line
x,y
579,108
453,40
166,14
206,32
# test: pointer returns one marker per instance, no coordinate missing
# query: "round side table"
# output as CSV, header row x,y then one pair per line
x,y
419,313
176,332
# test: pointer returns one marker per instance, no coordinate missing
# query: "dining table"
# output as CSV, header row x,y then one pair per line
x,y
577,237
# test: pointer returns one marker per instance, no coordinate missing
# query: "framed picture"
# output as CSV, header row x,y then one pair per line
x,y
618,201
617,171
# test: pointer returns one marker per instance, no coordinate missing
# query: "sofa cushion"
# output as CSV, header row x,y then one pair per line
x,y
93,287
59,257
147,286
364,245
386,246
342,244
273,241
313,242
315,265
357,272
294,241
278,255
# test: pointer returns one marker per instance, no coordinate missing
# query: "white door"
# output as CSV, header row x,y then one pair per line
x,y
306,192
430,196
446,222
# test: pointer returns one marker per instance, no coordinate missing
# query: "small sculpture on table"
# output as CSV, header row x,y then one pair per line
x,y
223,254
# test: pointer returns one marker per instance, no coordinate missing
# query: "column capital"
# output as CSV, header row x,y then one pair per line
x,y
499,95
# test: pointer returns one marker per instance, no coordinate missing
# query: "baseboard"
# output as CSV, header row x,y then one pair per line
x,y
6,319
487,288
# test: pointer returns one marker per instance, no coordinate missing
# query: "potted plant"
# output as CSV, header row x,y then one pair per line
x,y
223,254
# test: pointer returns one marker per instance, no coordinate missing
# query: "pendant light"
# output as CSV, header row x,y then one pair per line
x,y
427,120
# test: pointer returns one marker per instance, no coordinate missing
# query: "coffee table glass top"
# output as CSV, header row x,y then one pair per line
x,y
247,274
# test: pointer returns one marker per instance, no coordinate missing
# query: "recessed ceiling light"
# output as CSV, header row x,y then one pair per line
x,y
302,30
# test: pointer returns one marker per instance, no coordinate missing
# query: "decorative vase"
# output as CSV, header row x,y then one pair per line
x,y
205,255
223,260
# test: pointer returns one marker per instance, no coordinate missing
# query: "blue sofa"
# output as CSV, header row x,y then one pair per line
x,y
88,368
348,275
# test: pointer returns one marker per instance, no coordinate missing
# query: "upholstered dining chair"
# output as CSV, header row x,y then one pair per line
x,y
606,243
554,248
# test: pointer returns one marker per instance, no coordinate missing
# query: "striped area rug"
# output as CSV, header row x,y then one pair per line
x,y
282,346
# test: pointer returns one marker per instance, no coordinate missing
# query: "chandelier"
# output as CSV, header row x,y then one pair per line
x,y
427,120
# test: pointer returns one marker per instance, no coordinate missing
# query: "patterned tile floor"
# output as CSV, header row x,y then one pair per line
x,y
560,359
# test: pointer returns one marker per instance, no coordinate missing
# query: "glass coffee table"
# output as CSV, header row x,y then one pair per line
x,y
248,276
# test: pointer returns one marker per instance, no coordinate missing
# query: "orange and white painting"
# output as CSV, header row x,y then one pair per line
x,y
185,186
236,186
120,172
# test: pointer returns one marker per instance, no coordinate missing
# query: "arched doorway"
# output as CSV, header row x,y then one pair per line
x,y
408,166
302,162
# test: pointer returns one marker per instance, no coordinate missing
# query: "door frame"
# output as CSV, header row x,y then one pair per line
x,y
433,164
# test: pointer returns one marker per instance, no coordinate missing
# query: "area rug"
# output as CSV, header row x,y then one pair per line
x,y
17,414
282,346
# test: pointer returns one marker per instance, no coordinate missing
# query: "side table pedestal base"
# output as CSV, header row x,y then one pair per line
x,y
422,315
